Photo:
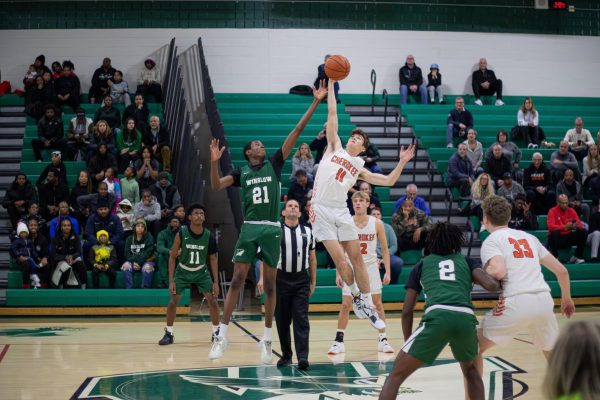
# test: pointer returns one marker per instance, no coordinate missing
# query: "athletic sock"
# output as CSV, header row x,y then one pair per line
x,y
382,336
339,335
169,329
267,334
354,290
216,329
223,330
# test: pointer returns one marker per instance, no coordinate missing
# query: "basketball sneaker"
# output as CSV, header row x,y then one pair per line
x,y
384,346
357,306
167,339
364,311
266,355
218,348
336,348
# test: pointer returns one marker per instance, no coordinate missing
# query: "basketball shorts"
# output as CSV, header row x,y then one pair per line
x,y
329,223
440,327
374,281
253,237
529,311
201,278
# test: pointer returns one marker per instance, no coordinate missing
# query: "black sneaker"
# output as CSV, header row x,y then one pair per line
x,y
303,365
284,362
167,339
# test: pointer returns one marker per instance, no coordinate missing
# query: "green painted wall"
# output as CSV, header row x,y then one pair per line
x,y
516,16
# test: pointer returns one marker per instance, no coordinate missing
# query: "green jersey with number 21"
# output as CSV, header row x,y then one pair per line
x,y
261,192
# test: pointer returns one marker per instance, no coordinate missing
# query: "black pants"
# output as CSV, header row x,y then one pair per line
x,y
14,214
478,91
541,203
405,243
556,241
462,185
153,89
293,291
112,276
530,134
38,145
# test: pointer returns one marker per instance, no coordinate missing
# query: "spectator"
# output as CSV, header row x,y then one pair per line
x,y
411,226
47,77
156,139
147,169
434,84
521,217
19,195
509,149
119,90
323,78
303,159
594,237
149,210
180,213
460,171
459,121
164,242
56,70
100,88
103,259
125,214
102,134
166,194
139,255
319,144
67,87
91,201
99,220
484,83
579,139
591,172
108,113
411,194
149,79
22,250
55,164
50,133
129,144
69,270
371,156
396,262
497,165
33,212
40,65
130,189
411,81
82,187
63,213
300,188
100,163
510,189
373,198
481,189
51,194
42,250
29,79
474,151
138,111
79,133
528,124
566,230
114,186
574,191
38,97
537,182
561,160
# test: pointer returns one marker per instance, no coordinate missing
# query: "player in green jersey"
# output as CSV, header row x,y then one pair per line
x,y
446,277
193,247
259,182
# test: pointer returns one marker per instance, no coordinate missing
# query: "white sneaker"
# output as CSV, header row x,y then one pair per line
x,y
499,102
575,260
479,102
218,348
35,281
266,355
336,348
373,318
384,346
357,306
449,146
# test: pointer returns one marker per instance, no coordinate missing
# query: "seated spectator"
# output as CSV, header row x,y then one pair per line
x,y
591,172
460,171
146,169
130,189
119,90
373,198
38,97
156,139
485,83
138,111
521,217
149,210
509,149
56,70
322,77
411,226
594,237
23,252
125,214
102,134
459,121
91,202
149,80
561,160
434,84
537,182
396,262
83,187
303,159
102,219
29,79
103,259
47,77
50,133
69,270
371,156
579,139
100,88
33,212
39,67
67,87
180,213
19,195
42,250
52,192
474,151
497,165
139,255
299,188
164,242
411,81
510,189
57,165
481,189
528,125
166,194
79,133
411,194
100,163
114,186
319,144
566,230
108,113
63,213
574,192
129,144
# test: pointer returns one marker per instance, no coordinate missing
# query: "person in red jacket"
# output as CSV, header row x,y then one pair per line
x,y
566,230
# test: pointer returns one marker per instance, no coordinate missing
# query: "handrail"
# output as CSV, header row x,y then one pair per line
x,y
373,82
384,96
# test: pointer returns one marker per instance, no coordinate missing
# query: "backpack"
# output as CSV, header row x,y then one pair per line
x,y
303,90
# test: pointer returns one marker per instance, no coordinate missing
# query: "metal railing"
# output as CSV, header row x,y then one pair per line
x,y
373,83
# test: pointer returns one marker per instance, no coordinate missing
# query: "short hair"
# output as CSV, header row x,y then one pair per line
x,y
536,154
411,185
106,184
376,209
362,133
361,195
497,210
54,170
247,147
68,63
444,239
288,200
300,172
196,206
501,132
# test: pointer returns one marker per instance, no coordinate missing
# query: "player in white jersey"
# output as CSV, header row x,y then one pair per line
x,y
370,230
332,224
514,258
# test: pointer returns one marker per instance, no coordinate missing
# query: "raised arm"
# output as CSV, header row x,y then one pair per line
x,y
388,180
333,139
562,275
216,182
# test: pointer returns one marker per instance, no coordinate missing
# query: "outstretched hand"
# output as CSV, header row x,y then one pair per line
x,y
321,92
215,152
407,154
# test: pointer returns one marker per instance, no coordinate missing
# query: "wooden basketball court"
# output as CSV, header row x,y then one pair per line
x,y
118,358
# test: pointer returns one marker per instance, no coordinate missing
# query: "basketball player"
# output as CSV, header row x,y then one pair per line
x,y
370,230
193,246
332,224
260,187
447,278
514,257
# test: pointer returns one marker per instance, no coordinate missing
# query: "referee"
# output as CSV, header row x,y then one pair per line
x,y
296,278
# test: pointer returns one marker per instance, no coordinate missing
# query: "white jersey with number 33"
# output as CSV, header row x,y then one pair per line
x,y
337,173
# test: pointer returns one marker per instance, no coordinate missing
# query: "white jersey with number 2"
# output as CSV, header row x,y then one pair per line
x,y
337,173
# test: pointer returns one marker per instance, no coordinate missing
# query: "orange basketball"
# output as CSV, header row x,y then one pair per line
x,y
337,67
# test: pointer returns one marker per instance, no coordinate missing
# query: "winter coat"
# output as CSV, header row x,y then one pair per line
x,y
161,138
111,224
50,129
22,247
534,177
55,225
127,218
166,197
63,247
404,230
14,193
111,115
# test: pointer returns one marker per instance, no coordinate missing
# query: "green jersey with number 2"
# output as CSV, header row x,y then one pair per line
x,y
446,280
261,192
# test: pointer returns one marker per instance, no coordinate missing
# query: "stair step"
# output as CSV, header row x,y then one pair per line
x,y
12,109
13,156
364,109
9,169
12,144
15,119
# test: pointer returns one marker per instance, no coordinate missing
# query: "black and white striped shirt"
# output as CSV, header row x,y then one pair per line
x,y
295,246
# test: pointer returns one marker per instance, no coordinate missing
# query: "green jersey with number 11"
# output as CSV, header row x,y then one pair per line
x,y
446,280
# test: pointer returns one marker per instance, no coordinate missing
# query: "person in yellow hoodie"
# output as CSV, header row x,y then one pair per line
x,y
103,258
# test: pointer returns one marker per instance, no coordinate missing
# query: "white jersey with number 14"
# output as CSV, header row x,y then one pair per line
x,y
337,173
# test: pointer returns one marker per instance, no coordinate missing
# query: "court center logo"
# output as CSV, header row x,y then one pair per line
x,y
323,381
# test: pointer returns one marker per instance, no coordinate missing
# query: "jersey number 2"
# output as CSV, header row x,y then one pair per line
x,y
447,270
363,248
522,248
260,195
339,176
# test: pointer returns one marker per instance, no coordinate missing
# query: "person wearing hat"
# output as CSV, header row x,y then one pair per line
x,y
55,163
166,194
50,133
23,251
40,64
103,259
139,255
68,87
164,242
79,132
149,79
102,219
434,84
510,188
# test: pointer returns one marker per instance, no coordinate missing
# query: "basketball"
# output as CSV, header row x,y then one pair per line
x,y
337,67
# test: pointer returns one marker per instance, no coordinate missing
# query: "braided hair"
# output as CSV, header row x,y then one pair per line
x,y
444,239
